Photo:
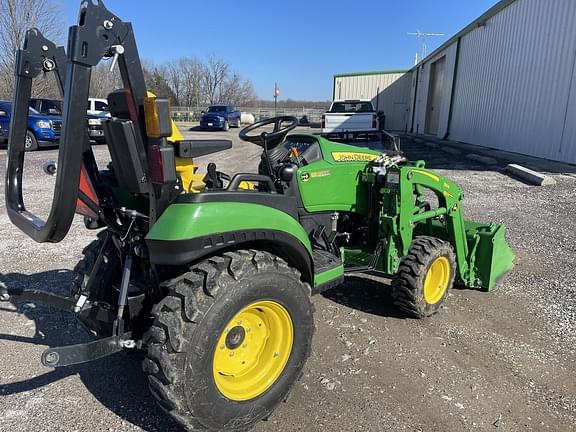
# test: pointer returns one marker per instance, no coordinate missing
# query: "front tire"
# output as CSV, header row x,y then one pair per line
x,y
229,341
425,277
31,144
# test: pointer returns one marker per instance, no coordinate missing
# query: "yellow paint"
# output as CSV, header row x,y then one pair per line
x,y
324,173
185,167
187,171
353,157
427,174
152,117
246,185
437,280
246,371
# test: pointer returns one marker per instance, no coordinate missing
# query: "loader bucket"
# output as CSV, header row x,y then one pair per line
x,y
490,255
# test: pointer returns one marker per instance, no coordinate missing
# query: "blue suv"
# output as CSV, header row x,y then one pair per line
x,y
43,130
220,117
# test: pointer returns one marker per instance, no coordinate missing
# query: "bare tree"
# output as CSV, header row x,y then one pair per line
x,y
213,77
16,18
103,81
235,90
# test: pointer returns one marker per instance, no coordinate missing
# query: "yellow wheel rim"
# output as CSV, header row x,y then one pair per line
x,y
437,280
253,350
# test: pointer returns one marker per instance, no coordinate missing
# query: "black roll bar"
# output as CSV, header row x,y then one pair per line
x,y
95,36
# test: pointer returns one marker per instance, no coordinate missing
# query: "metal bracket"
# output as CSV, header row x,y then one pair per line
x,y
98,30
41,55
37,296
86,352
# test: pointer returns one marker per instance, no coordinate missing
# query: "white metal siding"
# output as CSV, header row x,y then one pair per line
x,y
515,85
389,92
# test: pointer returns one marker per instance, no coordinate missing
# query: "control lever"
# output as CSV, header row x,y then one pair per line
x,y
213,178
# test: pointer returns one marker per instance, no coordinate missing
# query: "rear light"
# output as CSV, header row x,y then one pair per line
x,y
323,125
162,164
374,122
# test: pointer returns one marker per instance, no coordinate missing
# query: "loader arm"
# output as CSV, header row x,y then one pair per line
x,y
412,181
482,253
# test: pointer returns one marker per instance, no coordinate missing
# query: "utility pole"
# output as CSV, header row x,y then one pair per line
x,y
276,94
422,36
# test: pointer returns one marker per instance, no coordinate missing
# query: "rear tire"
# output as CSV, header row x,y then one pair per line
x,y
31,144
200,341
425,277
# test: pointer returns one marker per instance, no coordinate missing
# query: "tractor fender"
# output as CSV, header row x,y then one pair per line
x,y
186,233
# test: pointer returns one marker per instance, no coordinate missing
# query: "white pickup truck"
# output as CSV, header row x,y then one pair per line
x,y
350,116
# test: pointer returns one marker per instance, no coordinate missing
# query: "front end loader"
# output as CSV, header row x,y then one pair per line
x,y
211,275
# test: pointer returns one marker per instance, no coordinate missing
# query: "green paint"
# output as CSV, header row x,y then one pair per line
x,y
188,221
482,253
329,185
357,257
342,182
328,275
383,72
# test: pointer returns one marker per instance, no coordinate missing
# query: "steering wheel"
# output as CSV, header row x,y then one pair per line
x,y
272,139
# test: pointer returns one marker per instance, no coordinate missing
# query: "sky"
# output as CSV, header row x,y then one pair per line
x,y
298,44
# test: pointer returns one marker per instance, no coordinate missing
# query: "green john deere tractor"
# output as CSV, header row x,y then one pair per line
x,y
211,275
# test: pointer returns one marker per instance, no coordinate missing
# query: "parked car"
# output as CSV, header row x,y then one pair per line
x,y
95,130
220,117
43,130
98,107
54,107
350,116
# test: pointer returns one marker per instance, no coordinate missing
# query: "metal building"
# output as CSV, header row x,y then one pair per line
x,y
507,81
389,91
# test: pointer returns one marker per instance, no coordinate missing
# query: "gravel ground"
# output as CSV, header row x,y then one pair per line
x,y
488,361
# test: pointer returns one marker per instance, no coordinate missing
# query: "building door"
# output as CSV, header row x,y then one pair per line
x,y
435,96
399,122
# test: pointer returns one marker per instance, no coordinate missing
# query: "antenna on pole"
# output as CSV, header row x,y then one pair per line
x,y
422,36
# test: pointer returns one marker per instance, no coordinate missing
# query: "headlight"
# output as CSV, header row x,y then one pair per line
x,y
44,124
94,122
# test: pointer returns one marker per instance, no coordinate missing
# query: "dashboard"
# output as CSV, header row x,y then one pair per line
x,y
301,149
